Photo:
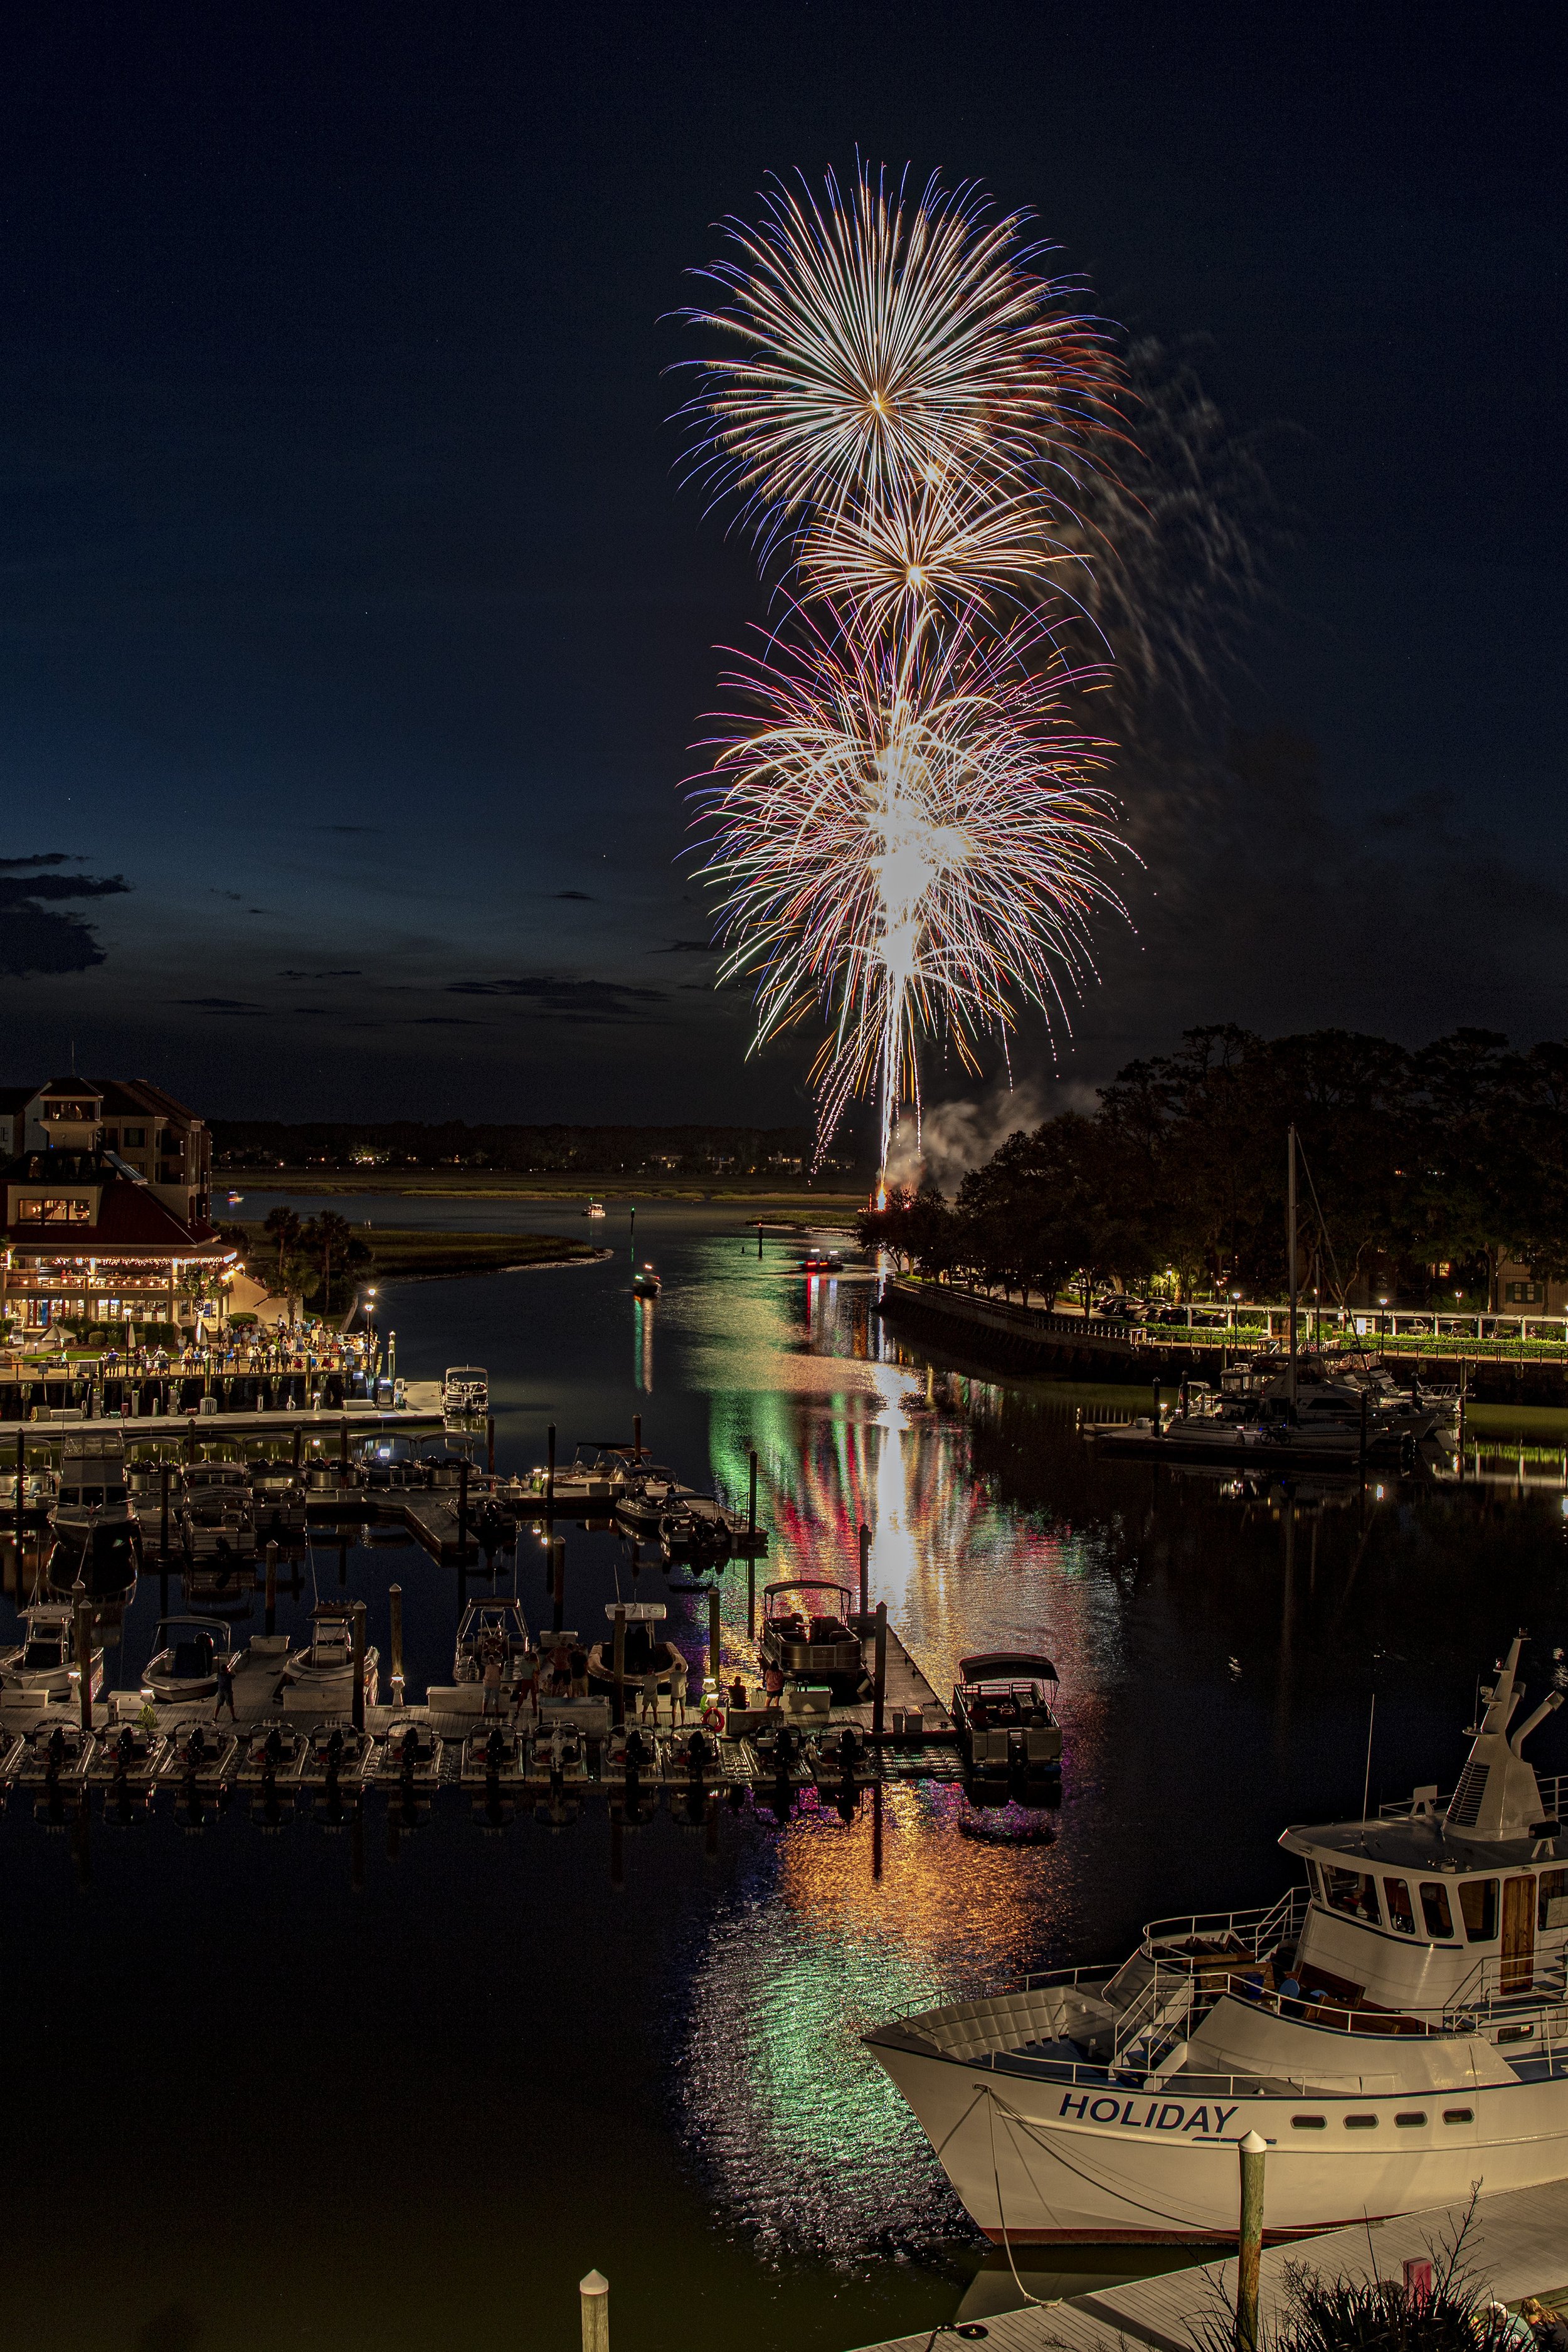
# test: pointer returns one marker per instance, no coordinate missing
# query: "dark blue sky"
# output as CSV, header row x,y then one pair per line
x,y
350,611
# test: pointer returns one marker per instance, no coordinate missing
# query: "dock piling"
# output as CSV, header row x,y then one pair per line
x,y
558,1602
879,1678
751,1501
550,1467
865,1573
620,1666
463,1508
1249,2241
163,1512
395,1597
359,1666
344,1449
751,1596
595,2294
715,1629
83,1612
21,1501
271,1588
490,1444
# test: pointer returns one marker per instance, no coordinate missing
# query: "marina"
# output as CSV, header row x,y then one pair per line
x,y
804,1896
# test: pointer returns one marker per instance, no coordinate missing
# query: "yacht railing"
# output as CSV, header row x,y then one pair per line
x,y
1148,2082
1261,1929
1552,1786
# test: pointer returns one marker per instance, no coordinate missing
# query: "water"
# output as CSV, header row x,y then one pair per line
x,y
313,2088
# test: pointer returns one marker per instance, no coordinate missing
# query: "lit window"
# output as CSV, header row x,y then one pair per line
x,y
1458,2114
1553,1895
1352,1890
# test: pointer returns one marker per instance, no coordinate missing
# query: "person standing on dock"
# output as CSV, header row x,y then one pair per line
x,y
225,1691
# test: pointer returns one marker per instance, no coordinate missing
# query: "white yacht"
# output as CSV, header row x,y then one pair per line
x,y
1395,2029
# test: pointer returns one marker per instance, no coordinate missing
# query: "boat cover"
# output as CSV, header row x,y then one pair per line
x,y
1007,1666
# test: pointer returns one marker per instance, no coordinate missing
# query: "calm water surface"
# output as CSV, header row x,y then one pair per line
x,y
300,2087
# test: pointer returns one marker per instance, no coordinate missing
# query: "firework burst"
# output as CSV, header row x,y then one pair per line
x,y
907,833
903,817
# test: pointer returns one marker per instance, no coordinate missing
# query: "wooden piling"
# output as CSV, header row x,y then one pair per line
x,y
463,1508
164,1511
620,1666
715,1629
1363,1436
359,1665
83,1652
271,1588
550,1467
1253,2152
298,1448
21,1502
879,1674
595,2294
490,1444
395,1597
865,1573
751,1501
344,1449
751,1596
558,1600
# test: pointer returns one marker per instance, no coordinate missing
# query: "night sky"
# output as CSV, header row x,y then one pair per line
x,y
354,615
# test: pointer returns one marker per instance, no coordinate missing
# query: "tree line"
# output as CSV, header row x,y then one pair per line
x,y
1421,1170
542,1150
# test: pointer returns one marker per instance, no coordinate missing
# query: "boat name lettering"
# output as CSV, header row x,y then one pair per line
x,y
1162,2115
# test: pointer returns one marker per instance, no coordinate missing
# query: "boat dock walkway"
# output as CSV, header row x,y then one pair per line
x,y
1517,2244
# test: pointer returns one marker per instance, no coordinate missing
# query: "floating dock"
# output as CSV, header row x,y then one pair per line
x,y
1517,2243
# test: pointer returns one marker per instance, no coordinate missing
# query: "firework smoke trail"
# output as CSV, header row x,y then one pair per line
x,y
902,820
904,832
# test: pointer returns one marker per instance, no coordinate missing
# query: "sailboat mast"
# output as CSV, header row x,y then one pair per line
x,y
1290,1239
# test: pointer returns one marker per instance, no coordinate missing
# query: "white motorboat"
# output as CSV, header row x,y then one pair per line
x,y
807,1633
649,1663
93,1490
277,1497
594,1209
465,1390
43,1666
492,1633
646,1282
1395,2029
323,1670
184,1661
217,1516
1004,1708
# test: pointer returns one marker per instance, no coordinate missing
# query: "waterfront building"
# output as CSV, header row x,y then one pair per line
x,y
95,1247
152,1136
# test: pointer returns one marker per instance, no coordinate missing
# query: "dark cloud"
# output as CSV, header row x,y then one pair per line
x,y
348,972
224,1004
686,947
567,1000
582,895
443,1021
236,895
34,941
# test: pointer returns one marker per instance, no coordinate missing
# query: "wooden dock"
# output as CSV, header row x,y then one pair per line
x,y
1517,2244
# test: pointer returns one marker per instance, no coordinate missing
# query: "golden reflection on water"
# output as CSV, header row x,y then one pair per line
x,y
862,1922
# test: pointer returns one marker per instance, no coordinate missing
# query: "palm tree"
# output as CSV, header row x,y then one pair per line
x,y
284,1225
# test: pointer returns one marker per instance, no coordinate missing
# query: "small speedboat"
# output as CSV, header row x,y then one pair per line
x,y
594,1209
824,1262
324,1669
93,1491
235,1199
104,1561
695,1528
1004,1711
492,1633
807,1633
650,1491
279,1499
465,1390
646,1284
184,1661
649,1663
43,1666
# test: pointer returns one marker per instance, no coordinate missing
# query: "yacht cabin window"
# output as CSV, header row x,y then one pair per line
x,y
1553,1898
1354,1891
1401,1913
1435,1908
1477,1901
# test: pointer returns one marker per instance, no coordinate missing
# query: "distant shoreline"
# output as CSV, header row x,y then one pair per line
x,y
487,1185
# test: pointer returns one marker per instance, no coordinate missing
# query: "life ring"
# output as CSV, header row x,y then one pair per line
x,y
713,1721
